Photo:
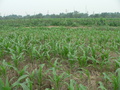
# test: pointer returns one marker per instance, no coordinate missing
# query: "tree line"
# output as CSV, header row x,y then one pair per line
x,y
74,14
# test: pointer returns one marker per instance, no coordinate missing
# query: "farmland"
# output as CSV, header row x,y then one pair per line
x,y
60,54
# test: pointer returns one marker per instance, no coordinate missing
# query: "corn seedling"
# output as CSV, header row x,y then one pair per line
x,y
5,86
18,83
117,63
116,80
3,69
29,84
56,79
101,86
74,86
17,58
39,75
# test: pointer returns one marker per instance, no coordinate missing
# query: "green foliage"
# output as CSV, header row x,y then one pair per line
x,y
57,79
73,22
56,58
74,86
102,86
5,86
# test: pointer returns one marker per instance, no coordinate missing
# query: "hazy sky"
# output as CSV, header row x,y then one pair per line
x,y
24,7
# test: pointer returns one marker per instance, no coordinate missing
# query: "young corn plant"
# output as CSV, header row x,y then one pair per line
x,y
47,55
87,72
56,79
6,43
105,55
93,51
81,87
36,53
74,86
32,75
29,84
107,78
55,64
18,48
39,75
1,53
82,60
22,71
20,83
17,58
6,85
101,86
95,62
105,59
3,69
19,72
117,63
72,59
65,51
32,52
71,85
116,80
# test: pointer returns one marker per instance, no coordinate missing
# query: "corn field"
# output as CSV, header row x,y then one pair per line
x,y
59,57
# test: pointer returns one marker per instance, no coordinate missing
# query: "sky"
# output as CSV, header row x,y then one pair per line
x,y
31,7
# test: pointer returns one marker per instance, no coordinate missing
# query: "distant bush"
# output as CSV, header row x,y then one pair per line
x,y
60,22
